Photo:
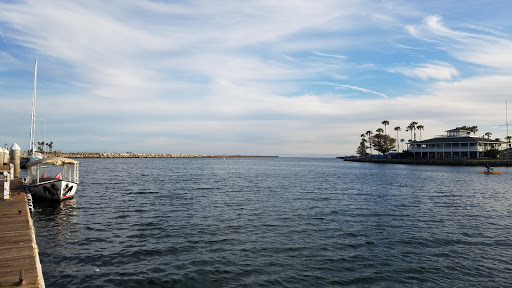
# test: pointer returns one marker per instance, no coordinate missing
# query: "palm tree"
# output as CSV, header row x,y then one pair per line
x,y
397,128
412,126
369,133
379,130
473,129
385,123
508,138
420,127
402,140
40,146
49,146
488,134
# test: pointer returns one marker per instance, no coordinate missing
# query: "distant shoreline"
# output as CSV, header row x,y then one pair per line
x,y
140,155
445,162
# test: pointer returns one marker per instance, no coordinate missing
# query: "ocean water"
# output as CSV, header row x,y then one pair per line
x,y
278,222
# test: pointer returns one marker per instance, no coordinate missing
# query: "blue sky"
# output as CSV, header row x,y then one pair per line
x,y
250,77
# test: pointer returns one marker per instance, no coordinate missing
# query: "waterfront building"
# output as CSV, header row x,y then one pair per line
x,y
457,144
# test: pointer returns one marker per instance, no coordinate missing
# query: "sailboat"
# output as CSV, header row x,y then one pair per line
x,y
32,154
60,187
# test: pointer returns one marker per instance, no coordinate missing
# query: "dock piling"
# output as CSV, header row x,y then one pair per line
x,y
15,159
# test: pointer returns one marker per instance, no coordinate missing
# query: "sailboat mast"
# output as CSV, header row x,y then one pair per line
x,y
33,126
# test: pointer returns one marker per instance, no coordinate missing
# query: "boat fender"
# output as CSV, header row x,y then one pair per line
x,y
30,205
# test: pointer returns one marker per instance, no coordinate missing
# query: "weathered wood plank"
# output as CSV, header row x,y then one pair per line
x,y
18,249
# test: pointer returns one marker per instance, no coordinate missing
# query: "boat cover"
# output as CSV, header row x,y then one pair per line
x,y
52,160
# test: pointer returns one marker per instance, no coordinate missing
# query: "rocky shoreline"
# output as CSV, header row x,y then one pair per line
x,y
138,155
445,162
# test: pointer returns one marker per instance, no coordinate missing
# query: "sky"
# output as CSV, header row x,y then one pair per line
x,y
287,78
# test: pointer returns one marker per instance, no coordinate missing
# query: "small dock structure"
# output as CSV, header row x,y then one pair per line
x,y
19,257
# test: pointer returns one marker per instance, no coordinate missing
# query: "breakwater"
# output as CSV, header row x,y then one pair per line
x,y
444,162
138,155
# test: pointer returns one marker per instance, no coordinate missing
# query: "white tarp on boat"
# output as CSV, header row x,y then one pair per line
x,y
52,161
68,169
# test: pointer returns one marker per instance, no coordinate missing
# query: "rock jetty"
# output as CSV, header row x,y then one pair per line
x,y
138,155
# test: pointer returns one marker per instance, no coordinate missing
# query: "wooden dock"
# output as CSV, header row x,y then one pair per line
x,y
19,257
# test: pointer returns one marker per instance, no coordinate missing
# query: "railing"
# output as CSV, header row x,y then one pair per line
x,y
7,182
448,149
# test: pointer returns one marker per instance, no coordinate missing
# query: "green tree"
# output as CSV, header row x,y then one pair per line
x,y
361,149
492,152
383,143
488,134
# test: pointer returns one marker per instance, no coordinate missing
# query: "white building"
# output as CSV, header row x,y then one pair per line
x,y
457,144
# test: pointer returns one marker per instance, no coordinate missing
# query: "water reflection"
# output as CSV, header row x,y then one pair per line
x,y
56,211
58,219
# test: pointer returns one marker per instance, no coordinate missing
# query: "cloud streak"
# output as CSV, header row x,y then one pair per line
x,y
356,88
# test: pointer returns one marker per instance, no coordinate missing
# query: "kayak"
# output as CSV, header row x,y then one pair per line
x,y
488,172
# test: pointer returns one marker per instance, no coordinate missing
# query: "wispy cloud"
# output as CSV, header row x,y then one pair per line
x,y
330,55
437,71
356,88
483,49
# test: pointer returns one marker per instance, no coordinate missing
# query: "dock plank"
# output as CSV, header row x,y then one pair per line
x,y
18,249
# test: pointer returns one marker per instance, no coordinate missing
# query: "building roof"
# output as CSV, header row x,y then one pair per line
x,y
458,130
459,139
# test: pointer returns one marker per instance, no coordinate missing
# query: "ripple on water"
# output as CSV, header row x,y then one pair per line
x,y
290,222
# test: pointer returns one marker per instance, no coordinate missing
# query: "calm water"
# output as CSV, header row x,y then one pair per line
x,y
280,222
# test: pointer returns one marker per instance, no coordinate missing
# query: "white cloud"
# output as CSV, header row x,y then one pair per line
x,y
483,49
436,70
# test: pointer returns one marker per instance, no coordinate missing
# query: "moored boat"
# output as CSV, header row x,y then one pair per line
x,y
60,187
